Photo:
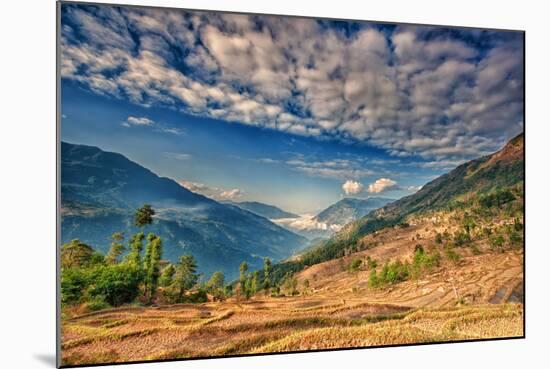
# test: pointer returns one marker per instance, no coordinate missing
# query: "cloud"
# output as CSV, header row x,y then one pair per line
x,y
231,194
335,168
412,91
352,187
215,193
307,222
138,121
178,156
413,188
382,185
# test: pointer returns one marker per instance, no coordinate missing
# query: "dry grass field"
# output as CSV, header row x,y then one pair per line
x,y
475,298
273,325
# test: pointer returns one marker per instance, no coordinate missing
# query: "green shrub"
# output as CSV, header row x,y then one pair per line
x,y
374,281
97,303
461,238
74,282
371,263
451,254
354,265
117,284
497,199
198,296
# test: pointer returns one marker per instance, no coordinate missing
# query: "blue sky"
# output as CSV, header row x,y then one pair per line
x,y
293,112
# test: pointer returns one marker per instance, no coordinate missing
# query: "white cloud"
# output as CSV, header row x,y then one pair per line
x,y
178,156
215,193
231,194
413,188
382,185
352,187
429,94
139,121
307,222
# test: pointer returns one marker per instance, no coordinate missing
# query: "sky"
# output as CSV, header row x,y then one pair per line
x,y
293,112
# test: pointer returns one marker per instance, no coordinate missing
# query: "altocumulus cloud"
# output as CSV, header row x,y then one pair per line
x,y
443,94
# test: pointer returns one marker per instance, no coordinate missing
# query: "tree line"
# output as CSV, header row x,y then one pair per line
x,y
135,272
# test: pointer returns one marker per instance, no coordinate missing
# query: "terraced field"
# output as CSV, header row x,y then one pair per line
x,y
273,325
479,296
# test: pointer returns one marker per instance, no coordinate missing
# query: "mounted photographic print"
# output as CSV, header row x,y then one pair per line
x,y
242,184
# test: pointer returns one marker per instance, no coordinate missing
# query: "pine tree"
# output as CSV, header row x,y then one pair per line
x,y
186,274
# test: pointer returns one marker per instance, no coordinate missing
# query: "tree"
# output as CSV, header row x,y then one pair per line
x,y
117,284
255,285
76,254
215,285
167,275
290,283
267,272
374,281
249,286
354,265
243,268
117,248
73,284
305,284
144,216
153,254
186,274
136,246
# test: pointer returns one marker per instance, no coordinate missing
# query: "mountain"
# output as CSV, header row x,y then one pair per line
x,y
350,209
101,190
264,210
464,185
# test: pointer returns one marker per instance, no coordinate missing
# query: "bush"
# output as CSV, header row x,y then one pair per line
x,y
374,281
497,199
371,263
451,254
97,304
74,282
354,265
461,238
394,272
497,242
198,296
117,284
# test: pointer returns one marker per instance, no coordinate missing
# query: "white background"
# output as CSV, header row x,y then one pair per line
x,y
27,203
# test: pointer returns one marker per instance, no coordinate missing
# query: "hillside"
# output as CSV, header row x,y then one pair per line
x,y
463,187
100,190
350,209
445,265
264,210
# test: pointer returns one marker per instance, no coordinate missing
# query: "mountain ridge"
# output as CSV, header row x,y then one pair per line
x,y
266,210
100,190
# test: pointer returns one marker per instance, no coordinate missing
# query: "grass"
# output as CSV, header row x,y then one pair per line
x,y
280,328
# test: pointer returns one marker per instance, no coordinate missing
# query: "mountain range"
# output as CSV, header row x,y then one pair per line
x,y
100,191
501,170
264,210
350,209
